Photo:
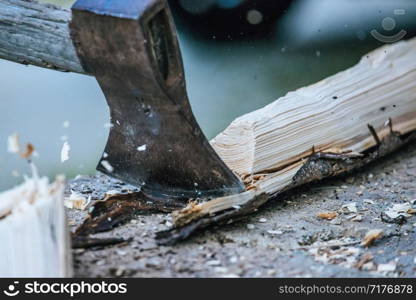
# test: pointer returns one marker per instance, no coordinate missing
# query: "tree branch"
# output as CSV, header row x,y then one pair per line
x,y
37,34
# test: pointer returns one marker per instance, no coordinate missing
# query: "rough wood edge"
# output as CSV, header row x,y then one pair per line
x,y
34,234
317,167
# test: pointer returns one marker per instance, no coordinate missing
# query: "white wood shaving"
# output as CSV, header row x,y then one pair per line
x,y
142,148
77,201
107,166
65,152
13,145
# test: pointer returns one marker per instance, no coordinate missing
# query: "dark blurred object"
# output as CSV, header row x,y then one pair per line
x,y
228,19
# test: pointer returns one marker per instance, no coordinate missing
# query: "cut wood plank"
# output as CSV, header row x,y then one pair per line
x,y
33,233
325,129
37,34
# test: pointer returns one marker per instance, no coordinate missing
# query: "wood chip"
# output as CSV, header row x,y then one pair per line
x,y
13,145
76,201
65,152
328,215
107,166
28,151
142,148
371,236
364,259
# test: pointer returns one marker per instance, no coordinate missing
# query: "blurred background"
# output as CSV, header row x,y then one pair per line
x,y
239,55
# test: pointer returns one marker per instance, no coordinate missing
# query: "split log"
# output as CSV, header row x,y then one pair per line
x,y
329,128
33,232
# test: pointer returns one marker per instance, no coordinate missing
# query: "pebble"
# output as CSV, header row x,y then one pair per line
x,y
350,208
221,270
336,222
357,218
250,226
368,201
385,268
121,252
100,262
213,263
233,259
120,271
275,232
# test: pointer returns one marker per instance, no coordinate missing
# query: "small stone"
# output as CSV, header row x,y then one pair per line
x,y
233,259
119,272
386,268
368,201
100,262
262,220
121,252
213,263
275,232
368,266
357,218
308,239
221,270
336,221
250,226
349,208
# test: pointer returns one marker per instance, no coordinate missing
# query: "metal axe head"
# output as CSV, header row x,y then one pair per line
x,y
131,47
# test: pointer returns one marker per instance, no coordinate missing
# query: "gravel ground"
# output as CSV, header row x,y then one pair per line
x,y
285,238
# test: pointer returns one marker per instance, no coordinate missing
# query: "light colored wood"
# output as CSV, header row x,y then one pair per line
x,y
329,116
37,34
33,232
268,147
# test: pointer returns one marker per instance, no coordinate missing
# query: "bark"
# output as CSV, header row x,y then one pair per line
x,y
37,34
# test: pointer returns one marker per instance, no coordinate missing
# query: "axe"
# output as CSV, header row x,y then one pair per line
x,y
155,142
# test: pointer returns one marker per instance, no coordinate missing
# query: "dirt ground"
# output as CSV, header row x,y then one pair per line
x,y
285,238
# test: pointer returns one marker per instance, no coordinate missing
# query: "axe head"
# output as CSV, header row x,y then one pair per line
x,y
131,47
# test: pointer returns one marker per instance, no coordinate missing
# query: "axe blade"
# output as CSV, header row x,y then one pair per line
x,y
131,48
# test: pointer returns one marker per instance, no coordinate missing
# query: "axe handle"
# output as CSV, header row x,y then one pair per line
x,y
37,34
